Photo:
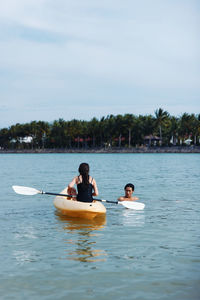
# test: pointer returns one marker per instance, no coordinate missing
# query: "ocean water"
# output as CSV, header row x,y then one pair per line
x,y
143,255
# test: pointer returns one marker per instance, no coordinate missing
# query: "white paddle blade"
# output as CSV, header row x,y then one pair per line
x,y
24,190
132,205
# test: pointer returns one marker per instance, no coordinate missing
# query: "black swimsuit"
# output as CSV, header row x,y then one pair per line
x,y
84,192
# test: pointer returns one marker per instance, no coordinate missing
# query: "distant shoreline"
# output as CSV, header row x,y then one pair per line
x,y
173,149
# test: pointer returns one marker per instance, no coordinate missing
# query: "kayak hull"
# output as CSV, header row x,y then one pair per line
x,y
74,208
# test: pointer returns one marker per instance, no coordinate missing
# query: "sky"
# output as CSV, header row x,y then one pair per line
x,y
84,59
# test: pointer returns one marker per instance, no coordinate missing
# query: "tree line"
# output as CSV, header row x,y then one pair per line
x,y
126,130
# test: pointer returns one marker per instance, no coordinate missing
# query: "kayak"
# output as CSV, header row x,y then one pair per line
x,y
73,208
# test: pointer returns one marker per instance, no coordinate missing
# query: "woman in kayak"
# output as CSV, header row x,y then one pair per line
x,y
86,185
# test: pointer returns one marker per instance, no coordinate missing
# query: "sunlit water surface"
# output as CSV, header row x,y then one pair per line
x,y
150,254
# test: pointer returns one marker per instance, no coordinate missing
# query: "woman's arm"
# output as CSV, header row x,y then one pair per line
x,y
70,189
95,193
73,182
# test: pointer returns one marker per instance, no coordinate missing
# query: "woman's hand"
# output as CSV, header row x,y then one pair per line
x,y
71,191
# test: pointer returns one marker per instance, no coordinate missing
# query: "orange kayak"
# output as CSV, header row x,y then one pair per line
x,y
74,208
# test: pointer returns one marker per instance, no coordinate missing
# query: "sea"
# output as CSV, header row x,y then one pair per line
x,y
142,255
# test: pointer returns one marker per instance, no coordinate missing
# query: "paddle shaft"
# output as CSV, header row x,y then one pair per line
x,y
65,195
24,190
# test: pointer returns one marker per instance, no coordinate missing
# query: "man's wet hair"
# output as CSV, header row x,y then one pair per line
x,y
129,185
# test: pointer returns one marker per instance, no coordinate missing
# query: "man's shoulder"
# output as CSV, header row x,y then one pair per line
x,y
121,198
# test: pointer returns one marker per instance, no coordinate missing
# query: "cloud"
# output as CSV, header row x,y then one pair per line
x,y
94,54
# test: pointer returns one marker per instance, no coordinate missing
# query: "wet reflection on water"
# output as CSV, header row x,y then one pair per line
x,y
133,218
82,235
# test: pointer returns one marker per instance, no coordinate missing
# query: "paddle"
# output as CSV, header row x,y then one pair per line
x,y
24,190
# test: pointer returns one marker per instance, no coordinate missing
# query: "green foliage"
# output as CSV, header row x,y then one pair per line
x,y
126,130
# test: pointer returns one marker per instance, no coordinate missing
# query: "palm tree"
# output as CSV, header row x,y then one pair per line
x,y
129,120
5,138
109,129
195,127
93,128
173,130
189,126
118,127
161,117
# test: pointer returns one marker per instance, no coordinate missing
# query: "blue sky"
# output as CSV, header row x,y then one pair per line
x,y
80,59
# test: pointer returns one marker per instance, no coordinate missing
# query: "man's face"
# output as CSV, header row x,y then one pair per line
x,y
128,192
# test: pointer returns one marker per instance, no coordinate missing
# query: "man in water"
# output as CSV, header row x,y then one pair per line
x,y
129,190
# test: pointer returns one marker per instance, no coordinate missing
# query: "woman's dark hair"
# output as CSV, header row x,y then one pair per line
x,y
129,185
84,171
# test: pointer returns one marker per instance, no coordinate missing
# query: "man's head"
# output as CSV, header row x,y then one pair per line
x,y
129,189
